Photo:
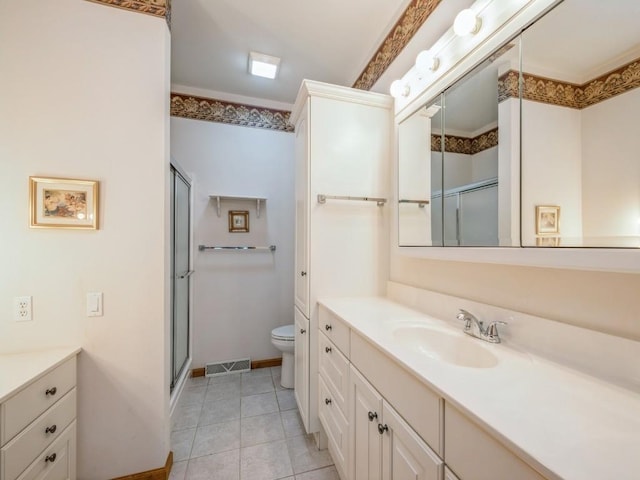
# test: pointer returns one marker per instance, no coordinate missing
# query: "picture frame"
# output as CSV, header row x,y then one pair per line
x,y
547,241
547,219
63,203
238,221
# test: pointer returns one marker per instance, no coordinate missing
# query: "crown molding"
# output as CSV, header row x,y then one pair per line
x,y
402,32
565,94
220,111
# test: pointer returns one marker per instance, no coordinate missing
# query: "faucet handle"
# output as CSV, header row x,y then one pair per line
x,y
492,331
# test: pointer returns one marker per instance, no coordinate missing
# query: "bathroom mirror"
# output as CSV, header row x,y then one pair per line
x,y
580,128
450,157
557,168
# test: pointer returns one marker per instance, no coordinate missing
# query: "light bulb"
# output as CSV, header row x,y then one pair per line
x,y
399,89
466,22
426,62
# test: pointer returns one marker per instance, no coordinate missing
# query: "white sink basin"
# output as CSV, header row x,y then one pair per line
x,y
456,349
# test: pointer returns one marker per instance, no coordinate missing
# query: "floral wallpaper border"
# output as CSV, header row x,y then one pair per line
x,y
402,32
464,145
557,92
212,110
157,8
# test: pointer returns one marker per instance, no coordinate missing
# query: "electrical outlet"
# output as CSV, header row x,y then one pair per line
x,y
22,309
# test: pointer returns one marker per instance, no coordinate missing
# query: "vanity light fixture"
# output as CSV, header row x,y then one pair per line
x,y
426,62
263,65
399,89
467,22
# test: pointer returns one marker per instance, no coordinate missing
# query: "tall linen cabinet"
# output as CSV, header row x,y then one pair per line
x,y
343,149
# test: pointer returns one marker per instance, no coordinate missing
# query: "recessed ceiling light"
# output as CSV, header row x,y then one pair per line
x,y
263,65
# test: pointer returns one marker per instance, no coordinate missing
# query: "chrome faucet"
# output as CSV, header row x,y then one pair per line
x,y
475,327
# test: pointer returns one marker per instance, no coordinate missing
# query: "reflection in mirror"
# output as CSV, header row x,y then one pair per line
x,y
580,129
419,216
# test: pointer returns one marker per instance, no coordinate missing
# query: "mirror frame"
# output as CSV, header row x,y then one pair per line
x,y
459,55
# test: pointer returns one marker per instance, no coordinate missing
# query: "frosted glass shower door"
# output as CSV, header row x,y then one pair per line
x,y
180,228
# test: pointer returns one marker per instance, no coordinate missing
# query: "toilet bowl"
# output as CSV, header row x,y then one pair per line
x,y
283,339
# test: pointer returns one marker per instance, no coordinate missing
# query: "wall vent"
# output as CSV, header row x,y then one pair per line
x,y
228,366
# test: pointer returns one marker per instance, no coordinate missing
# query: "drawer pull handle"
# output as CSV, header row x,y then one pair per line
x,y
327,327
372,416
51,429
327,349
302,331
303,274
382,428
327,401
51,391
50,458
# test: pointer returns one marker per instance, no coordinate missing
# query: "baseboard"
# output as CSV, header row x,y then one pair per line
x,y
268,362
156,474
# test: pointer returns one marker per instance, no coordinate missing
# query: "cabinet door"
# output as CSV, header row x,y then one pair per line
x,y
405,456
365,413
301,365
301,284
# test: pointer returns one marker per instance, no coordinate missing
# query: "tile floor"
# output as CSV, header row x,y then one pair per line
x,y
243,427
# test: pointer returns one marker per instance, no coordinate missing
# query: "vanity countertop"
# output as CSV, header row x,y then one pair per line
x,y
566,424
17,370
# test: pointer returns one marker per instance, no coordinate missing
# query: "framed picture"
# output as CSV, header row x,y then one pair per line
x,y
238,221
63,203
547,219
550,241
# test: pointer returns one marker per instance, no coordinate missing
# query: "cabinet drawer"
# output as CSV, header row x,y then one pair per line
x,y
58,461
420,406
334,368
20,410
473,454
336,427
335,329
20,452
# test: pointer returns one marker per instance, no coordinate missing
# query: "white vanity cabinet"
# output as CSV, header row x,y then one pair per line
x,y
38,418
473,454
384,446
301,364
342,149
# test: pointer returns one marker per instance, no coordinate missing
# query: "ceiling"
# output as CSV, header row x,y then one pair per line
x,y
330,41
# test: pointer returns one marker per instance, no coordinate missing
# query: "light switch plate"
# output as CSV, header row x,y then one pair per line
x,y
94,304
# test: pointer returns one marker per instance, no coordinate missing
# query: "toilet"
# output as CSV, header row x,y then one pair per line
x,y
283,338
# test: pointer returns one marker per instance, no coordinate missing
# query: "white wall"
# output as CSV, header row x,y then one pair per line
x,y
611,167
551,167
239,297
484,164
84,94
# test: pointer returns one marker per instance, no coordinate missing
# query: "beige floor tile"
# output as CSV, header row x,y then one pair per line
x,y
258,404
192,396
220,466
216,438
220,411
267,461
186,416
328,473
178,470
256,385
181,443
286,400
292,423
261,429
219,391
305,456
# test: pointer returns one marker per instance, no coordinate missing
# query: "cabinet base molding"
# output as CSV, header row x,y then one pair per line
x,y
155,474
266,363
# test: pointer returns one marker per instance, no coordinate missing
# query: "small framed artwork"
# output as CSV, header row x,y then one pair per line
x,y
63,203
550,241
238,221
547,219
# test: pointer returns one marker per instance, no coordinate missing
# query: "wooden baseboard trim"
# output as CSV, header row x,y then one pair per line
x,y
269,362
156,474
